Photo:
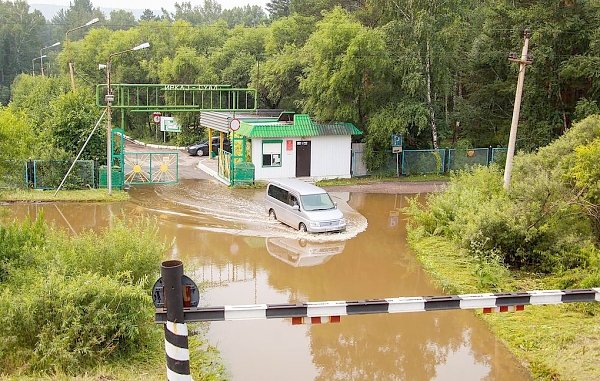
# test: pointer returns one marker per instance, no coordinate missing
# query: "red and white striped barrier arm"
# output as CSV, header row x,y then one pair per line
x,y
334,309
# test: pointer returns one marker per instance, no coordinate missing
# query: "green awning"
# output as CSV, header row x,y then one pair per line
x,y
302,126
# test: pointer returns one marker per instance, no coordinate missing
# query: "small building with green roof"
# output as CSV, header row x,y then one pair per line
x,y
293,145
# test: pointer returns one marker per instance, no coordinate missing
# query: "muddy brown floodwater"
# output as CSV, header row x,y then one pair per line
x,y
226,242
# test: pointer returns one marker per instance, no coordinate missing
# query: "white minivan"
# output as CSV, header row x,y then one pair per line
x,y
303,206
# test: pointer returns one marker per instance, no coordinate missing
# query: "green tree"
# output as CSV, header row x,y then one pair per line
x,y
22,34
347,69
16,138
148,15
79,13
278,8
121,19
207,13
247,16
73,116
289,31
186,67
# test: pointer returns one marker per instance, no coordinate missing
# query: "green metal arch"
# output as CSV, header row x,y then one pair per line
x,y
178,97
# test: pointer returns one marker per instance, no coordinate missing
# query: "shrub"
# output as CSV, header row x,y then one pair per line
x,y
69,303
65,323
546,220
18,242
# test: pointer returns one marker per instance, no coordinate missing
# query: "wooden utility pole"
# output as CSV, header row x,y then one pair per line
x,y
523,62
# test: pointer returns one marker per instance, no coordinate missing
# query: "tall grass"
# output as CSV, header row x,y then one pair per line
x,y
68,304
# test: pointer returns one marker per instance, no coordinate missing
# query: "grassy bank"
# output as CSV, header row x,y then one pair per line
x,y
148,365
79,307
88,195
379,179
558,342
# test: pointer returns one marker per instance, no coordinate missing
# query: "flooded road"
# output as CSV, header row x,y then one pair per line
x,y
225,239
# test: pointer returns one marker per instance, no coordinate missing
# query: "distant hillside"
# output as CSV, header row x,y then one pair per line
x,y
49,10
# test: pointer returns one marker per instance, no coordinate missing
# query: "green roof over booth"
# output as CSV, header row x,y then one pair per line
x,y
303,125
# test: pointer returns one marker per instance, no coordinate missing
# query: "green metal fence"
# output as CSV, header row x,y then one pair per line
x,y
47,174
13,174
418,162
459,159
423,161
224,169
498,155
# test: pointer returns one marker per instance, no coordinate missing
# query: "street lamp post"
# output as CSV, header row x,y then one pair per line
x,y
109,98
33,63
41,52
71,70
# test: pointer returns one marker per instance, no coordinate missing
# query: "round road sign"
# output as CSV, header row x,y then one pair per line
x,y
156,117
234,124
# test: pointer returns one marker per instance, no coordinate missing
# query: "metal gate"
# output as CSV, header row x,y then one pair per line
x,y
151,168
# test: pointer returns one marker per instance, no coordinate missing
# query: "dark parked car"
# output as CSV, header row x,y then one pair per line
x,y
201,149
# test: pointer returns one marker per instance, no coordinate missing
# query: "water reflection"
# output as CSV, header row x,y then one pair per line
x,y
302,253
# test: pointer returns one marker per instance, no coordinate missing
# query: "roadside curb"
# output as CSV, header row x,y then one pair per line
x,y
211,172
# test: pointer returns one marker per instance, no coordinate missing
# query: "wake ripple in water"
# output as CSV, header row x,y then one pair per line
x,y
203,206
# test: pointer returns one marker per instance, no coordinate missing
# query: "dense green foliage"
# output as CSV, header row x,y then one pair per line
x,y
435,71
547,222
541,234
70,303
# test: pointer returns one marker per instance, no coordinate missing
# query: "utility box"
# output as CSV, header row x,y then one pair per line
x,y
243,173
115,174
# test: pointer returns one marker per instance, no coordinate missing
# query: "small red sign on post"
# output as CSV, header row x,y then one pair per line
x,y
289,145
156,117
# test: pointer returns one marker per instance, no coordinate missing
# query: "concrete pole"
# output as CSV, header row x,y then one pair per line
x,y
523,62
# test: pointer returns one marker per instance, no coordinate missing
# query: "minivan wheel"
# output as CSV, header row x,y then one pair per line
x,y
302,227
200,152
272,215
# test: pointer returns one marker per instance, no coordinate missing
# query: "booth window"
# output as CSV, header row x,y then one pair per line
x,y
271,153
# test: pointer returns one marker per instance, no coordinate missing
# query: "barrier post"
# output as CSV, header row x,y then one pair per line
x,y
176,332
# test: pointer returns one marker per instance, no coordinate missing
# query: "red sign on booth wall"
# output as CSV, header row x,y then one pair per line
x,y
289,145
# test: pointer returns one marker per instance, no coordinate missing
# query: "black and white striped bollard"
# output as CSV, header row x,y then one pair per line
x,y
176,332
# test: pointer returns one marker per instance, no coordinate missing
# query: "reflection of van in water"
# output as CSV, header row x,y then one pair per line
x,y
302,253
303,206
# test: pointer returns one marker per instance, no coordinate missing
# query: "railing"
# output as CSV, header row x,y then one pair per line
x,y
174,97
48,174
419,162
225,165
14,174
423,161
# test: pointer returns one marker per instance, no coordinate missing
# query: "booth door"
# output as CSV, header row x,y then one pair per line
x,y
302,158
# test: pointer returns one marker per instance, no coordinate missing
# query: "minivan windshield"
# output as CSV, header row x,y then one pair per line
x,y
319,201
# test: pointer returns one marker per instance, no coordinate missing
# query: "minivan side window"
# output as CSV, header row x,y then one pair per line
x,y
278,193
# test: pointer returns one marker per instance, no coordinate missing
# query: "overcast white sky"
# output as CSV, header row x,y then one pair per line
x,y
152,4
